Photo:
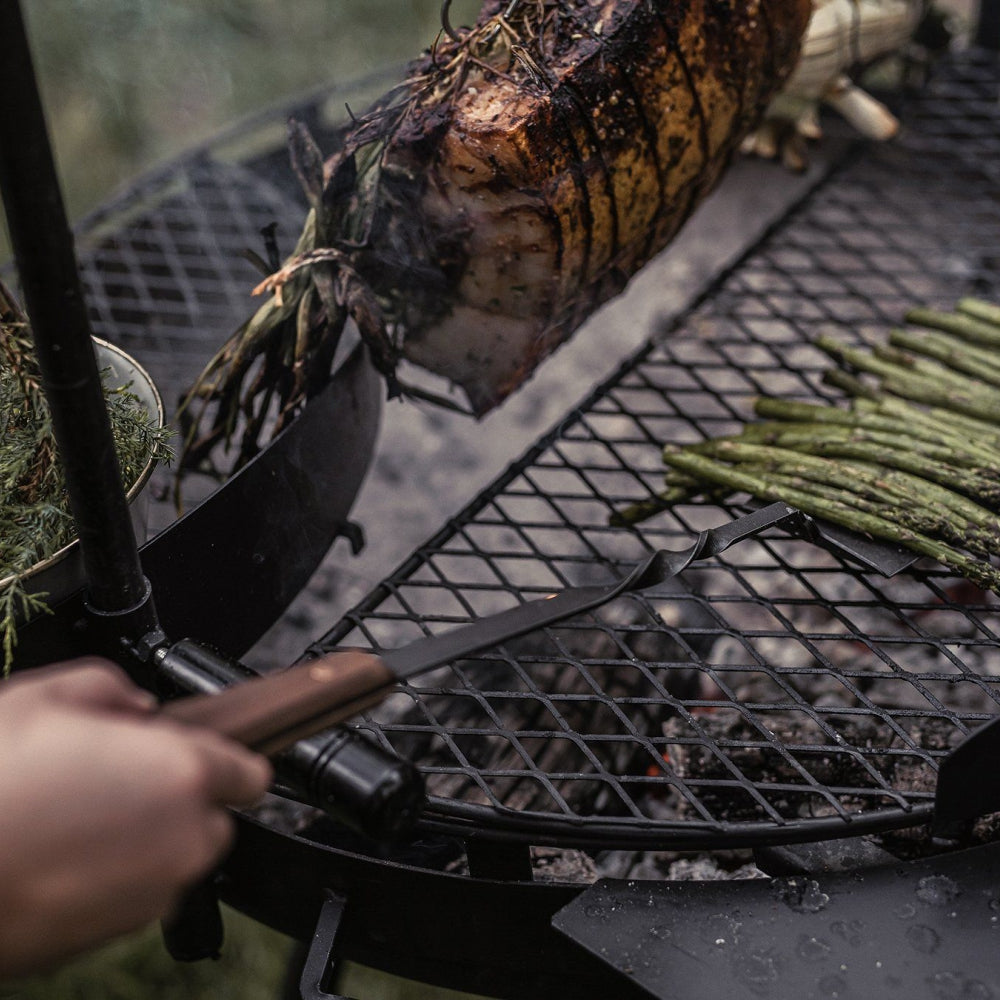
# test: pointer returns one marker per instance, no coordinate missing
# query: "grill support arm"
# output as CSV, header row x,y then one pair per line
x,y
47,268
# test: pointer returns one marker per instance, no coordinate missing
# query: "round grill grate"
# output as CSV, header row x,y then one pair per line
x,y
776,694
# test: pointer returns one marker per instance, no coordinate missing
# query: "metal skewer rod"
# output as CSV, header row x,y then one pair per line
x,y
46,262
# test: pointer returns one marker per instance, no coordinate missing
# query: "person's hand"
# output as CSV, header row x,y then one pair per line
x,y
107,810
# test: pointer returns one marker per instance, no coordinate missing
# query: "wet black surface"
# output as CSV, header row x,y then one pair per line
x,y
926,929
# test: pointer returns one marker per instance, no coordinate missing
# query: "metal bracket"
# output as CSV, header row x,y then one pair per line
x,y
316,973
967,785
491,859
354,533
195,931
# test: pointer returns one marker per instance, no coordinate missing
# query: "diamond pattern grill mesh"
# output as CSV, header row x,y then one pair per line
x,y
164,269
775,693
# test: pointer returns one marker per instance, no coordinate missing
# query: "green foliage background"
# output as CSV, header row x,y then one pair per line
x,y
253,965
128,83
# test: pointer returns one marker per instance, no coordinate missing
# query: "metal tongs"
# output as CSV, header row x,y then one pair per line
x,y
271,712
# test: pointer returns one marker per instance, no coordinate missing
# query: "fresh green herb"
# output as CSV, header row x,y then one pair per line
x,y
35,522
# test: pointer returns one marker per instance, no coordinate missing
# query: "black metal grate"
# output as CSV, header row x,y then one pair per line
x,y
777,693
165,263
164,269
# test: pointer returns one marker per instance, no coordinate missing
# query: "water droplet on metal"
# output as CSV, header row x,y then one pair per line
x,y
801,895
720,928
812,949
937,890
923,939
849,931
758,968
957,986
833,986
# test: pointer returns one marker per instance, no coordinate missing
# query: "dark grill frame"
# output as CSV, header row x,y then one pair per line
x,y
913,222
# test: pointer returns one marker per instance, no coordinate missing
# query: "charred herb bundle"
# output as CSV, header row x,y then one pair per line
x,y
35,522
524,170
914,458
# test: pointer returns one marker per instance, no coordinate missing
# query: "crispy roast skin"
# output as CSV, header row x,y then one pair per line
x,y
513,205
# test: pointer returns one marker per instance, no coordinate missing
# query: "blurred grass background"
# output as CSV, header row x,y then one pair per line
x,y
253,965
127,84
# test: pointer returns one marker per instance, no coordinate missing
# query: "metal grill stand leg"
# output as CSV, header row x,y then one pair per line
x,y
316,972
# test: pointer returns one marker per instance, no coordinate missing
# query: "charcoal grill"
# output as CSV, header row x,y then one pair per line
x,y
776,696
901,665
793,696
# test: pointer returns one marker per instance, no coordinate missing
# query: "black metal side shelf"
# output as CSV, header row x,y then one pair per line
x,y
780,693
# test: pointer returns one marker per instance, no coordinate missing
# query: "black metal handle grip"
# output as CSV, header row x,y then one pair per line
x,y
339,771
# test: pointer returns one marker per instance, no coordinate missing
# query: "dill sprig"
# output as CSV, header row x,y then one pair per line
x,y
35,521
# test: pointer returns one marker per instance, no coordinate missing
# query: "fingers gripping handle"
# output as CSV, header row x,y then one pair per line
x,y
338,770
271,712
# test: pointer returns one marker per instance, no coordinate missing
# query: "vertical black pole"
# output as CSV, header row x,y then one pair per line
x,y
988,28
47,267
